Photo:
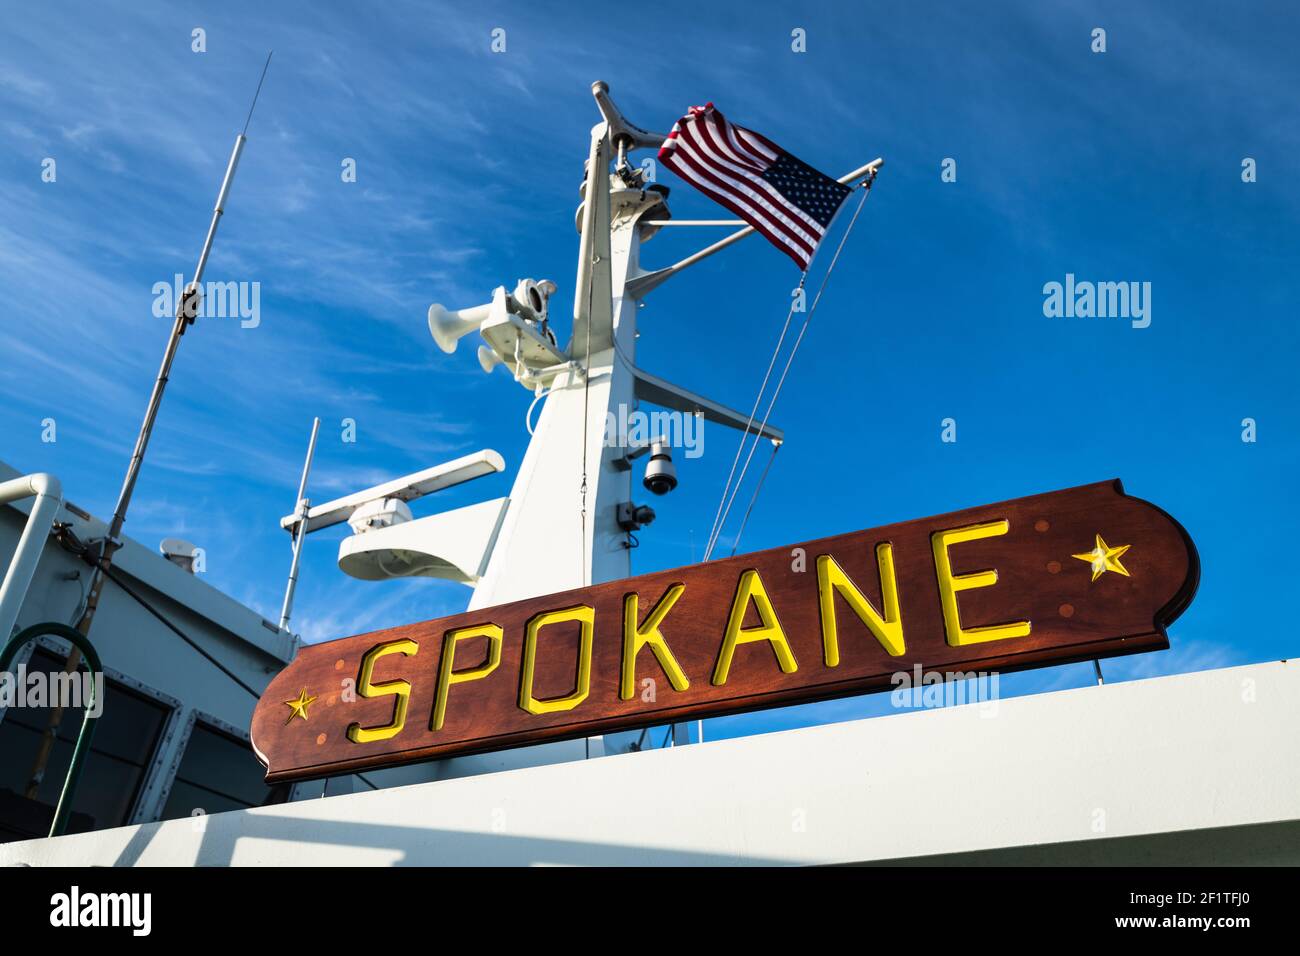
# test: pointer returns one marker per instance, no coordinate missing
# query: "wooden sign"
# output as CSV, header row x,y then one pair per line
x,y
1067,576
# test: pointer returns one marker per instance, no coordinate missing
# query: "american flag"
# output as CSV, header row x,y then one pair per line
x,y
785,199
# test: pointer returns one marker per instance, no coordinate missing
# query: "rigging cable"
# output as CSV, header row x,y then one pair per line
x,y
112,576
776,446
162,619
725,511
586,407
714,529
70,542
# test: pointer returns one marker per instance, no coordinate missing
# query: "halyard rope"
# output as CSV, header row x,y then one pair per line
x,y
729,493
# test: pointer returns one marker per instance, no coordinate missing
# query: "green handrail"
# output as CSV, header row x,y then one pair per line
x,y
56,629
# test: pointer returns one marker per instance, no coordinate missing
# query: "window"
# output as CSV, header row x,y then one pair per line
x,y
217,773
111,777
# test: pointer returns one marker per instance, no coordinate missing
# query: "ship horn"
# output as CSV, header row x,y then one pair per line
x,y
488,359
447,326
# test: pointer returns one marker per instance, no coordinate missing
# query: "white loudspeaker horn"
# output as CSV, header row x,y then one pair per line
x,y
488,360
447,326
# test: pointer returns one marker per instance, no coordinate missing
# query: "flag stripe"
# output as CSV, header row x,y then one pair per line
x,y
757,145
740,203
786,200
684,168
758,191
728,136
761,142
769,204
726,140
812,229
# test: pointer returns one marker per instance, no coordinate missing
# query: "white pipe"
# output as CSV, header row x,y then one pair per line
x,y
49,498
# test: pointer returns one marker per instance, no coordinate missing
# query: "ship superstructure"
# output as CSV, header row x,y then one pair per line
x,y
830,794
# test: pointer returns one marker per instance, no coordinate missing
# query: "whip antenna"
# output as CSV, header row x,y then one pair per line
x,y
301,506
99,554
266,66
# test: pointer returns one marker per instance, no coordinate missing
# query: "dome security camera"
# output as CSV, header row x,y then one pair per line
x,y
660,474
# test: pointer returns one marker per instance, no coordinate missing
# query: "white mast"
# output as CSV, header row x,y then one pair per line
x,y
564,524
561,526
554,538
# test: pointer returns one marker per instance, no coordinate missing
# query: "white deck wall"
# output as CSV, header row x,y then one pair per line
x,y
1196,768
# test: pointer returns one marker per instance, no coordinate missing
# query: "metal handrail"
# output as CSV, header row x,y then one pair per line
x,y
55,629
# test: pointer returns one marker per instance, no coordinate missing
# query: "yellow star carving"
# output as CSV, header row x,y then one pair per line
x,y
298,708
1104,558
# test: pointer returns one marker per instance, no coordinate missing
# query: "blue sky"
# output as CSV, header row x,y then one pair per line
x,y
1117,166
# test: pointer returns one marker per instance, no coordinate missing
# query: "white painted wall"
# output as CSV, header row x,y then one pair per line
x,y
1197,768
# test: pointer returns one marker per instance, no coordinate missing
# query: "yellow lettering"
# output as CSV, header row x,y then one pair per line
x,y
402,689
635,637
888,629
447,677
950,584
751,588
529,703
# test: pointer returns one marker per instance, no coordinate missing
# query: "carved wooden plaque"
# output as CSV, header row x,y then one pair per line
x,y
1071,575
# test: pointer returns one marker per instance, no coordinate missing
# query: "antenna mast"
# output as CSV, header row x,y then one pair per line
x,y
302,507
100,553
186,312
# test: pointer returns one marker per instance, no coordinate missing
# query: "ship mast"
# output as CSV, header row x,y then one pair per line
x,y
567,521
561,530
